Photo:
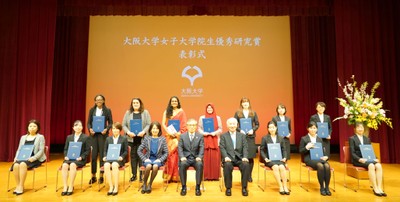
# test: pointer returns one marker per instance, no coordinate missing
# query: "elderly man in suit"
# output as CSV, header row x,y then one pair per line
x,y
191,152
233,146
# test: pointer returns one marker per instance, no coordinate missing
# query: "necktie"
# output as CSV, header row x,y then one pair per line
x,y
191,137
234,142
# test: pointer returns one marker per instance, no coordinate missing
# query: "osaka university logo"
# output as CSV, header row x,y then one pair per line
x,y
194,77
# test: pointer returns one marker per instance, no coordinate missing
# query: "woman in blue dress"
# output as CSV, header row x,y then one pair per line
x,y
153,152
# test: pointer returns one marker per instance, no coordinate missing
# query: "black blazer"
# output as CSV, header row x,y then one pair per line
x,y
305,152
227,149
106,113
276,119
354,144
194,148
268,140
124,146
254,122
327,119
85,149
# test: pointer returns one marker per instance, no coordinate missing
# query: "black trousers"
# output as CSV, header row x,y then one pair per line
x,y
184,165
97,142
135,159
228,169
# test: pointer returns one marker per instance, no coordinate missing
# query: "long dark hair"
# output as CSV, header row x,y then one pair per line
x,y
240,110
170,109
141,108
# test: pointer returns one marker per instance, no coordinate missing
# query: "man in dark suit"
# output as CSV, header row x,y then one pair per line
x,y
320,117
191,152
233,146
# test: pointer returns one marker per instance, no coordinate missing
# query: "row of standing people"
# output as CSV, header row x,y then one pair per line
x,y
174,111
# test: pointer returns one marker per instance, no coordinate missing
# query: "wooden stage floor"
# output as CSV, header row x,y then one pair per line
x,y
212,193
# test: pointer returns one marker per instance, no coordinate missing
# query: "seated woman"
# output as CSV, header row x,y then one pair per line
x,y
111,167
322,166
38,156
79,162
153,152
278,167
374,168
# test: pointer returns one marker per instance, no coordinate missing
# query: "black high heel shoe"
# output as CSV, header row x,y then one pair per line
x,y
377,194
144,189
384,194
110,192
148,190
69,193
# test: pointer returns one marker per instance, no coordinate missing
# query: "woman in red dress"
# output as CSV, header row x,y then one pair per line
x,y
211,149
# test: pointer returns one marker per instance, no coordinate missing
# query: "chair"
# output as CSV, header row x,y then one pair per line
x,y
165,182
122,168
88,164
309,169
46,151
191,168
262,166
221,176
359,173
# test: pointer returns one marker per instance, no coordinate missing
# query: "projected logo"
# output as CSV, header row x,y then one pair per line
x,y
192,91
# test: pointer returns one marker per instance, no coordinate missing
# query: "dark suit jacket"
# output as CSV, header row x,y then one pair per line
x,y
194,148
85,149
268,140
124,146
327,119
254,121
276,119
306,153
227,149
106,113
354,144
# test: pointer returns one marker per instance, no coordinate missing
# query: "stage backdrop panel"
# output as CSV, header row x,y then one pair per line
x,y
200,59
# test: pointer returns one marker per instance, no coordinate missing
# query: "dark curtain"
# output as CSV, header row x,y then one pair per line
x,y
367,46
26,61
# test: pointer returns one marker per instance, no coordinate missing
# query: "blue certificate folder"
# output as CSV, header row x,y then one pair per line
x,y
283,128
316,152
113,152
25,152
136,126
208,125
98,123
323,130
367,152
246,125
175,123
274,152
74,150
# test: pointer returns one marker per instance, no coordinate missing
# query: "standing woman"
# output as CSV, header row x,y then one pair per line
x,y
320,117
136,111
375,172
153,152
38,155
111,168
278,167
322,166
245,111
69,166
281,111
97,139
211,148
173,112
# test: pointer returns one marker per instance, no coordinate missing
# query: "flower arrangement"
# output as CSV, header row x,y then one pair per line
x,y
359,106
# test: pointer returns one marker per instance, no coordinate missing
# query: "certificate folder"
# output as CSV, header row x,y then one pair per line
x,y
113,152
367,152
323,130
274,152
316,152
74,150
246,125
175,123
208,125
283,128
98,123
25,152
136,126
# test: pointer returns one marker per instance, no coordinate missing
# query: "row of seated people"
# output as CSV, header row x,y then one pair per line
x,y
153,152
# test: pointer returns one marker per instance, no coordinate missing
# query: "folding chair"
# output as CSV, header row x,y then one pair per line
x,y
88,164
221,176
309,169
46,151
262,166
122,168
191,168
165,182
